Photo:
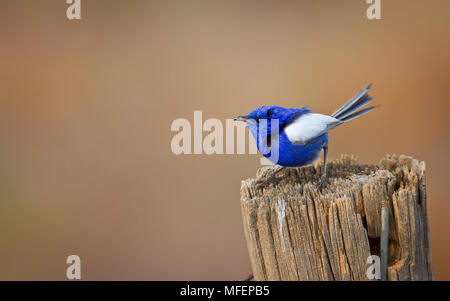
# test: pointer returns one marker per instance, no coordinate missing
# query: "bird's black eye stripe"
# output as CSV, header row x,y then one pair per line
x,y
269,114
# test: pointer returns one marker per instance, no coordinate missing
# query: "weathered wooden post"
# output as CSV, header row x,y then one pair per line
x,y
294,232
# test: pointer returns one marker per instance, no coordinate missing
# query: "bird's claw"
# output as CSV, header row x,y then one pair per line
x,y
323,182
272,178
262,183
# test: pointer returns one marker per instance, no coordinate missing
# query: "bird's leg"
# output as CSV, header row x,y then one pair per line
x,y
271,178
323,180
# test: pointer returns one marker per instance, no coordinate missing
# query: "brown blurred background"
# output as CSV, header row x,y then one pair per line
x,y
86,107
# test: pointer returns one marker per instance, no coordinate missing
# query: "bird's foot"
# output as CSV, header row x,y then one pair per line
x,y
249,277
323,182
271,179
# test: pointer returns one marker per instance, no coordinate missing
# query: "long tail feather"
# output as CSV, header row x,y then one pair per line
x,y
357,114
359,104
358,101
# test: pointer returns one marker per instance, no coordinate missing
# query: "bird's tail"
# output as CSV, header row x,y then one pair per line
x,y
348,111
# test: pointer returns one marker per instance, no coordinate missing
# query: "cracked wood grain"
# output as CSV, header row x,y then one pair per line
x,y
294,232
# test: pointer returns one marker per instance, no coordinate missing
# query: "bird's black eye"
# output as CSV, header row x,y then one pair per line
x,y
269,114
258,120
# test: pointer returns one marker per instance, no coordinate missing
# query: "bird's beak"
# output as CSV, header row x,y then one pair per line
x,y
241,118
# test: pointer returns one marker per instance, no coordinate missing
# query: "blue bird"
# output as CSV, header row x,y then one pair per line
x,y
293,137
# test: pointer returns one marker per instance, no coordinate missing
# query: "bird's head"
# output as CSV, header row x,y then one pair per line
x,y
261,120
276,118
283,115
258,114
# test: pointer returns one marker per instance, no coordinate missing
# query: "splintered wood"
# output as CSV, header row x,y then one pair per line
x,y
294,232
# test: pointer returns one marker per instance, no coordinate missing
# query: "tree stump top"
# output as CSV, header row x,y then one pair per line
x,y
295,232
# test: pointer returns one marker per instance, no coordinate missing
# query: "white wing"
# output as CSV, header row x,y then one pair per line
x,y
309,126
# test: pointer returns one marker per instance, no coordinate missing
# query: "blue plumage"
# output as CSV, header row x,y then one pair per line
x,y
289,154
300,135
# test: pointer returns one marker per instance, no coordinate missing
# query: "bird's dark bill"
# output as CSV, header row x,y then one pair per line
x,y
241,118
